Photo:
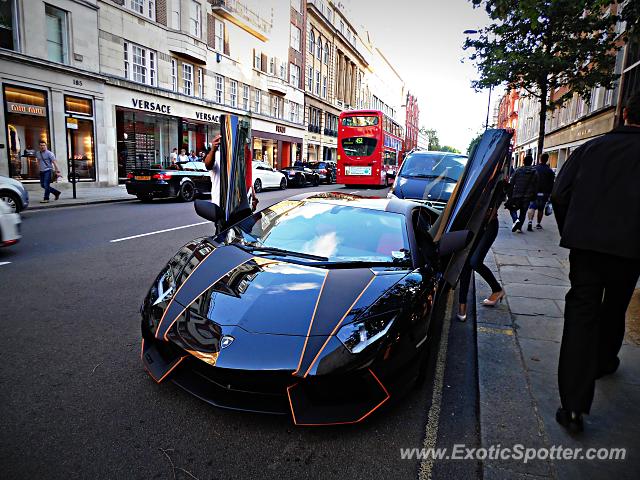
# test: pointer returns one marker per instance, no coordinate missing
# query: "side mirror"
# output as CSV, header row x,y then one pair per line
x,y
452,242
207,210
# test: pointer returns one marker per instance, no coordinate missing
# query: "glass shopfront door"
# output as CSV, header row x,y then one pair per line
x,y
80,139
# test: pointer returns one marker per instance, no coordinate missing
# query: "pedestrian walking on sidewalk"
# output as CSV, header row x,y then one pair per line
x,y
599,182
546,177
48,168
523,187
476,262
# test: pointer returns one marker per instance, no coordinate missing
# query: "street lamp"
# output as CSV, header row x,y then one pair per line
x,y
486,123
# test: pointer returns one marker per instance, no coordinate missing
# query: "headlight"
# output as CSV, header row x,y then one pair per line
x,y
359,335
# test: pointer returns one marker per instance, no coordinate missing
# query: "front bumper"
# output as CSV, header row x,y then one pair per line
x,y
312,400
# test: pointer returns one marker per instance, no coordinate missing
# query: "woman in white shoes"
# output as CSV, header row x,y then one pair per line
x,y
476,263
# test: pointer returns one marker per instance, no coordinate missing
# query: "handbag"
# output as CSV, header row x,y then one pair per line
x,y
548,209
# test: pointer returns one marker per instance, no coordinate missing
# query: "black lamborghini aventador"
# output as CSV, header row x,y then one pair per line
x,y
318,306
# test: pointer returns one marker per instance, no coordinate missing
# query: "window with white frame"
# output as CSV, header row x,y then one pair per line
x,y
143,7
324,86
200,82
329,14
219,88
318,83
296,5
257,101
245,97
195,19
312,41
295,38
292,111
218,35
174,74
283,70
139,64
187,79
57,34
272,65
310,79
608,97
233,93
257,60
326,53
275,106
294,75
319,49
175,15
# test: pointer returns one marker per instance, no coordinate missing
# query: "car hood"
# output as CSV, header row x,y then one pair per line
x,y
424,189
231,287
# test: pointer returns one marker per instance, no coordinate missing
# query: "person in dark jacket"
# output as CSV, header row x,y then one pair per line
x,y
546,177
596,199
522,189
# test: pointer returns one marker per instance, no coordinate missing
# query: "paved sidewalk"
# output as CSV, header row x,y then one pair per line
x,y
85,194
518,347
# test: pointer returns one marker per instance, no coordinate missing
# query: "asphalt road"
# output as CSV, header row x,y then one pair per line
x,y
75,401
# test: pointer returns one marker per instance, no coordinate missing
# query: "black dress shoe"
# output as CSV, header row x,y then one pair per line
x,y
572,421
608,368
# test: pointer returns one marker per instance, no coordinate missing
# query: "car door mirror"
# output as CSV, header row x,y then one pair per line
x,y
452,242
207,210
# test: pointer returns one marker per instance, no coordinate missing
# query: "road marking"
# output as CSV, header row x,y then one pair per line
x,y
4,263
157,231
431,435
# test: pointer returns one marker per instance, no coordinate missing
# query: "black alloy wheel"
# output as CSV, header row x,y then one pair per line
x,y
187,192
283,184
12,200
257,185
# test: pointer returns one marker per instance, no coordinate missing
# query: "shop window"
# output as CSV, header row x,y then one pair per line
x,y
57,35
140,64
80,138
8,25
27,124
187,79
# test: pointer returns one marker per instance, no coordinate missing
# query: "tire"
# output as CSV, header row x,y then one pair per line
x,y
283,184
316,181
257,185
300,180
145,197
12,200
187,192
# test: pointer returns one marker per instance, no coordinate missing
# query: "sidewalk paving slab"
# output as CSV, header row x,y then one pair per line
x,y
518,349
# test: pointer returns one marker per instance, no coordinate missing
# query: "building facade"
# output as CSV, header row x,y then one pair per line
x,y
412,122
114,85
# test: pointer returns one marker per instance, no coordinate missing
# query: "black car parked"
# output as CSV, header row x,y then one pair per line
x,y
327,171
184,180
300,176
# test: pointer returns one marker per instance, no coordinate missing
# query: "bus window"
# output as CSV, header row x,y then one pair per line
x,y
359,146
360,121
390,158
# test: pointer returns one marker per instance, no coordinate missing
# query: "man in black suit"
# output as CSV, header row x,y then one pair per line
x,y
596,199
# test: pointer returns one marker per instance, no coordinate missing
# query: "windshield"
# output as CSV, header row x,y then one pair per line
x,y
360,121
433,165
325,230
359,146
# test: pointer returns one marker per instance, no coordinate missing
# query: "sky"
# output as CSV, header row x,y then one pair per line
x,y
423,40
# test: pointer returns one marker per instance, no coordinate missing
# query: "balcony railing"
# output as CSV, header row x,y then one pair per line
x,y
241,15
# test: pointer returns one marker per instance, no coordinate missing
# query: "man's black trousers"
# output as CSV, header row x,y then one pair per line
x,y
594,321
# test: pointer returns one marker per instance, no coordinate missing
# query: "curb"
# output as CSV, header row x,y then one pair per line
x,y
51,205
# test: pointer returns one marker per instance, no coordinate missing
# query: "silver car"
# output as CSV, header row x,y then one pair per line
x,y
13,193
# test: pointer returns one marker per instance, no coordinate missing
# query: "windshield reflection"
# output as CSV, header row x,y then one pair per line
x,y
341,233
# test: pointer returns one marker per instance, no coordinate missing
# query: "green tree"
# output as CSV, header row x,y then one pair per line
x,y
473,143
432,135
447,148
542,45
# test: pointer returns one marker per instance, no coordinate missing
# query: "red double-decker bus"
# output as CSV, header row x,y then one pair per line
x,y
369,146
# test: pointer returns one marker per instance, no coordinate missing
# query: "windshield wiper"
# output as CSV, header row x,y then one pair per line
x,y
422,175
279,251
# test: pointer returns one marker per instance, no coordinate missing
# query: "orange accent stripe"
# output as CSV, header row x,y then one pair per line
x,y
338,325
167,372
142,350
313,316
388,396
178,291
197,296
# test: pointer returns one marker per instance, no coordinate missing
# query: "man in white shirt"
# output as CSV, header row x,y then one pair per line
x,y
183,157
212,162
174,156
